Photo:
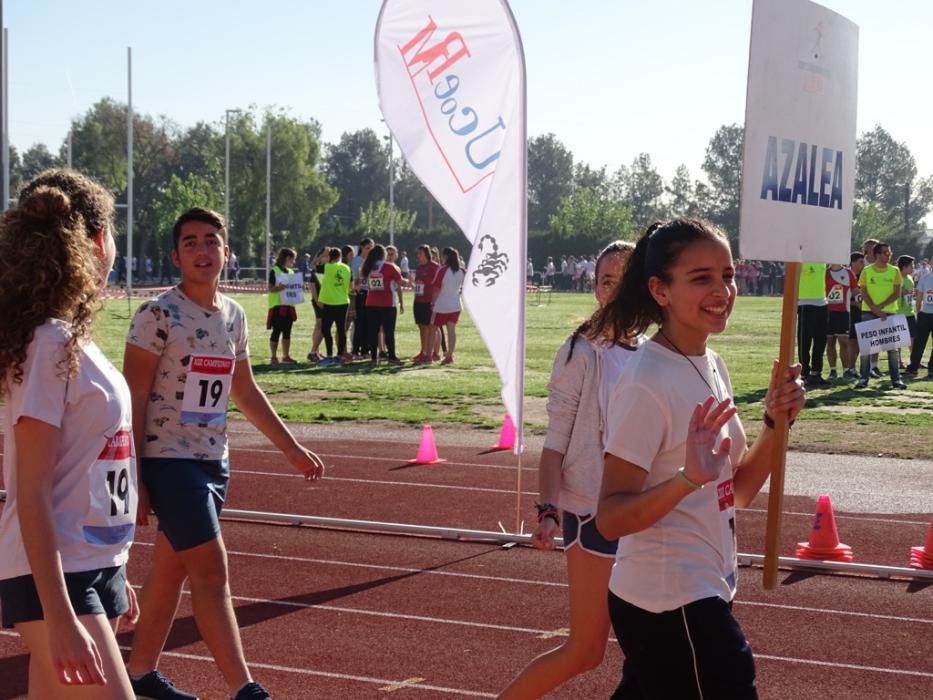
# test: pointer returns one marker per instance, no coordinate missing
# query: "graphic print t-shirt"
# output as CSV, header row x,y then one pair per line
x,y
187,411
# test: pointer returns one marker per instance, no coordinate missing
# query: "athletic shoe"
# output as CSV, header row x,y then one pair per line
x,y
875,372
898,384
289,361
832,375
816,381
909,372
850,373
274,361
435,357
252,691
394,361
314,357
861,383
155,686
448,360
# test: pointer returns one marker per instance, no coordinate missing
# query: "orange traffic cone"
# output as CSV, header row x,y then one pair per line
x,y
824,538
922,557
506,435
427,450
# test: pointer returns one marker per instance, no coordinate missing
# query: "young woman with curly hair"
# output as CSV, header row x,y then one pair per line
x,y
69,467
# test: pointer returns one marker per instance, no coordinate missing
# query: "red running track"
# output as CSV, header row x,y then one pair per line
x,y
333,614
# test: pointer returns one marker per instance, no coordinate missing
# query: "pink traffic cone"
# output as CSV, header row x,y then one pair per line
x,y
922,557
506,435
824,541
427,450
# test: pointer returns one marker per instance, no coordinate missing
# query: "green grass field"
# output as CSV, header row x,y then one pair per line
x,y
874,421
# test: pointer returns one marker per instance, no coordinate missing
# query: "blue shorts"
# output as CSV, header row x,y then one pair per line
x,y
581,530
95,592
187,496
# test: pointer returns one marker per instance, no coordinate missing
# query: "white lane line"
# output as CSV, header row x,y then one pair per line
x,y
553,584
392,460
511,492
851,667
321,674
392,569
842,517
831,611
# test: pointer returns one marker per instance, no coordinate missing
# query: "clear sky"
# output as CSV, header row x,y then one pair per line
x,y
611,78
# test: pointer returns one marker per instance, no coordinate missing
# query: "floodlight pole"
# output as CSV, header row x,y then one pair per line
x,y
227,114
129,171
268,191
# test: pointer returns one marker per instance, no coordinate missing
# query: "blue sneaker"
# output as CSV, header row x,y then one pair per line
x,y
155,686
252,691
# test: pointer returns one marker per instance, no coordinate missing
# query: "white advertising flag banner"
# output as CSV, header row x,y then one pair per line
x,y
294,293
877,335
451,83
798,175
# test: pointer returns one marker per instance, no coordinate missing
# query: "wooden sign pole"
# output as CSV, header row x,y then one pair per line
x,y
776,488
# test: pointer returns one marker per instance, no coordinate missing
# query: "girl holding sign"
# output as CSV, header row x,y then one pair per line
x,y
677,465
585,370
67,526
281,316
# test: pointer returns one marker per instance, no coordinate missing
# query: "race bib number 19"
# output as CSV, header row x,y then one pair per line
x,y
207,390
112,507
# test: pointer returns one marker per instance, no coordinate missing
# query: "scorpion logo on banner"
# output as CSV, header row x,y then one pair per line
x,y
493,265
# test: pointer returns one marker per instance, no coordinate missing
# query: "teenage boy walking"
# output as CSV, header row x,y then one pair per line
x,y
186,355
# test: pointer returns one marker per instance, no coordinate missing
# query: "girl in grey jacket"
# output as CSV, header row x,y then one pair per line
x,y
569,476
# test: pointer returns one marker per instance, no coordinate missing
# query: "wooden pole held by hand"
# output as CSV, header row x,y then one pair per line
x,y
776,487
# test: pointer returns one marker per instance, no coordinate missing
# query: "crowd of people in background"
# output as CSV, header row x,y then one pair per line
x,y
833,299
358,294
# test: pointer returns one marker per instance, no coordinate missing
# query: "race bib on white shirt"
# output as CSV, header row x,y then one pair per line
x,y
419,289
726,494
375,283
835,295
207,390
928,297
112,508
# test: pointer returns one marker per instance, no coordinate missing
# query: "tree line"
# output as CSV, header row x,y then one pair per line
x,y
337,192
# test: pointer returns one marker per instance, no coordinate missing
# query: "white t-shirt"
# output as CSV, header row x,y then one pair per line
x,y
449,282
689,554
186,415
614,359
94,482
925,290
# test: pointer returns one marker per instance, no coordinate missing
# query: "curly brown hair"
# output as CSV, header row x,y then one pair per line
x,y
49,265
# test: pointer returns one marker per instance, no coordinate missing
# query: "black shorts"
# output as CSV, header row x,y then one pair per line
x,y
187,496
281,325
95,592
422,311
855,316
698,650
581,530
838,323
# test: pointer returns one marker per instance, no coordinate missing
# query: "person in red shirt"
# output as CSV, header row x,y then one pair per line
x,y
424,296
380,311
840,282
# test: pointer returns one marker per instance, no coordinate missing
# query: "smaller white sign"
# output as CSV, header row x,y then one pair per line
x,y
877,335
294,292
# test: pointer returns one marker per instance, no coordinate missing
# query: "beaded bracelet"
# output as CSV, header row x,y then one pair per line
x,y
547,510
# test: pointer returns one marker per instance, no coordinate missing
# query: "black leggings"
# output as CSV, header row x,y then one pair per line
x,y
695,651
330,315
381,317
924,330
281,325
812,323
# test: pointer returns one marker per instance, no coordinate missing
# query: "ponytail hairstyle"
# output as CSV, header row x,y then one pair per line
x,y
633,308
376,253
615,248
452,259
333,255
435,255
347,253
49,264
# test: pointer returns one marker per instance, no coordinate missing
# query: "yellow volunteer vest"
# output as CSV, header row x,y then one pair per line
x,y
274,297
812,281
880,284
335,289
